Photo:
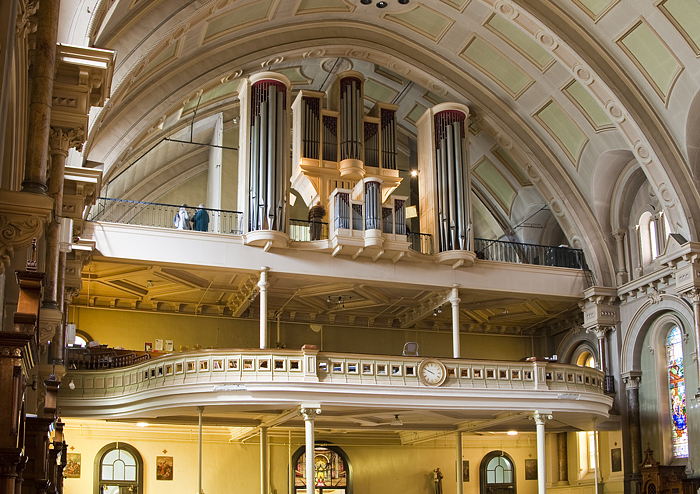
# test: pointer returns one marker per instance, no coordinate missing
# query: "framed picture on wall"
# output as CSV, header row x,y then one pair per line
x,y
616,459
465,470
72,468
531,469
159,345
148,346
164,468
169,345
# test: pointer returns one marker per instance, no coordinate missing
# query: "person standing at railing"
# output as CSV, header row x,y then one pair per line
x,y
200,222
316,214
182,219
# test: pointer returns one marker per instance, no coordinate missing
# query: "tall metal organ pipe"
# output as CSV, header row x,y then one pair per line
x,y
452,180
269,176
352,111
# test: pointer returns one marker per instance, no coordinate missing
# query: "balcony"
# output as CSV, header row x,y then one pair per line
x,y
251,379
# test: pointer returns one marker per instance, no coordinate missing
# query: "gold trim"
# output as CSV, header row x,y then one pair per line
x,y
491,76
619,42
575,102
536,116
693,46
519,49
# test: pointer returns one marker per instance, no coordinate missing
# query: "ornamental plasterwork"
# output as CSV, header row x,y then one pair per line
x,y
65,139
22,218
25,25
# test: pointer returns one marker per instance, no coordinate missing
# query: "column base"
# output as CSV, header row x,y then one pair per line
x,y
34,187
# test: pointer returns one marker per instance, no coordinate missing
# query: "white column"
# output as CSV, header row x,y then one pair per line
x,y
264,470
262,285
200,410
540,419
454,299
694,296
460,454
214,180
309,413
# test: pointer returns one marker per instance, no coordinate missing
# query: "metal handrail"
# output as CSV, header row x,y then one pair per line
x,y
162,215
542,255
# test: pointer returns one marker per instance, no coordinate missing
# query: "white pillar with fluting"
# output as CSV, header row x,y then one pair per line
x,y
262,285
540,418
309,413
455,300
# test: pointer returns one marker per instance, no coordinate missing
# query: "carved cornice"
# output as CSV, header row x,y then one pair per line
x,y
600,307
22,218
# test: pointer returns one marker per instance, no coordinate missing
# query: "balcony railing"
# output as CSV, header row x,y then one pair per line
x,y
234,366
305,230
162,215
421,242
542,255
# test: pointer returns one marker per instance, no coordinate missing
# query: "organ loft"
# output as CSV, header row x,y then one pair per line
x,y
346,159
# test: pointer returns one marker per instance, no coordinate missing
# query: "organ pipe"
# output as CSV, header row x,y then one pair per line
x,y
452,180
268,172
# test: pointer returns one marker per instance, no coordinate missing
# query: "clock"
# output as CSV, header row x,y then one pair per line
x,y
432,372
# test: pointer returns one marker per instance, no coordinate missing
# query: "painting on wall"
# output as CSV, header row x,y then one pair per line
x,y
531,469
72,468
465,470
616,459
164,468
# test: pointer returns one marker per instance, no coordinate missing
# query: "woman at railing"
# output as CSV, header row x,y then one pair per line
x,y
182,219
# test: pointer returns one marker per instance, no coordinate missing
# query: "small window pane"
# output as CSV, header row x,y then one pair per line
x,y
107,472
118,470
130,473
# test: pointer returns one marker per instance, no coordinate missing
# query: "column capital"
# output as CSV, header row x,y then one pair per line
x,y
540,417
10,459
310,411
62,139
599,330
619,234
632,380
600,307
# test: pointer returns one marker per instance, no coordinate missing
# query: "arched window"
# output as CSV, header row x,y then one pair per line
x,y
497,473
118,470
332,470
586,359
676,392
651,231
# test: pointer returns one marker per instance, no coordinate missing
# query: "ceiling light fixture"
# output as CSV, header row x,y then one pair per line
x,y
141,424
396,421
512,433
381,5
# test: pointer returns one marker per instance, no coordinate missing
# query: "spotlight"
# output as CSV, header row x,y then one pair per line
x,y
414,173
381,5
512,433
366,2
403,2
396,421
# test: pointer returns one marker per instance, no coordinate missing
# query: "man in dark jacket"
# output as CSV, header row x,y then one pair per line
x,y
201,219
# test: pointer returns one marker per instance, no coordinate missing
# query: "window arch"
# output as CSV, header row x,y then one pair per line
x,y
333,471
676,392
497,473
651,231
118,469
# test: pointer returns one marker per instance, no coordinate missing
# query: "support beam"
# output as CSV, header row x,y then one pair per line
x,y
200,411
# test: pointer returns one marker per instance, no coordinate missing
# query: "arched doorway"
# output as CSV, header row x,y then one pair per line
x,y
332,470
497,474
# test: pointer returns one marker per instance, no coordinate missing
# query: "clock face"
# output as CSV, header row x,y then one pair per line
x,y
432,372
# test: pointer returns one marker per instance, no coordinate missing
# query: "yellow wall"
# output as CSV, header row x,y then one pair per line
x,y
130,329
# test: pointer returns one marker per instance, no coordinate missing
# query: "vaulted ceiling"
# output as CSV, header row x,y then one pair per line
x,y
568,97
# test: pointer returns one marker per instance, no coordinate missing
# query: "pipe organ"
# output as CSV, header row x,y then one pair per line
x,y
265,155
444,176
339,151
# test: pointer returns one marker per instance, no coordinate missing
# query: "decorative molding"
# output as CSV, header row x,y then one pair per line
x,y
61,139
22,218
25,23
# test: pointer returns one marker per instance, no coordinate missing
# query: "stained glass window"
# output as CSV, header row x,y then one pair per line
x,y
330,472
676,392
